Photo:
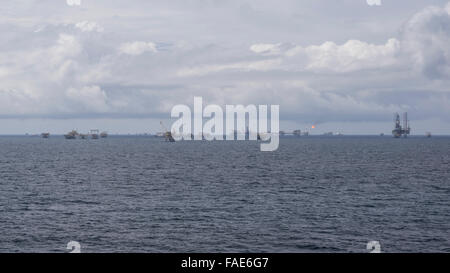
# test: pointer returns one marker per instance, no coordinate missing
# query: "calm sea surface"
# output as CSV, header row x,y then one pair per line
x,y
315,194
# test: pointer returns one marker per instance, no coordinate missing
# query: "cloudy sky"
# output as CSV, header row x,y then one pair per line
x,y
120,66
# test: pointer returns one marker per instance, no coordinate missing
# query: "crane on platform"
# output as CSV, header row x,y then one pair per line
x,y
167,134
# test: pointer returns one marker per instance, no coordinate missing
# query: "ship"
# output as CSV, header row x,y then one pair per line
x,y
104,135
168,137
167,134
71,135
428,134
94,134
45,135
400,130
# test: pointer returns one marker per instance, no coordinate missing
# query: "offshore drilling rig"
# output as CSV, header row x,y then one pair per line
x,y
400,130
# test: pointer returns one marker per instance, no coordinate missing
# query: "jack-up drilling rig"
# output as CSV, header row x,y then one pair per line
x,y
400,130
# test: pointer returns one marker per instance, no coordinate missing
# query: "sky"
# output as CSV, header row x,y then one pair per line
x,y
120,66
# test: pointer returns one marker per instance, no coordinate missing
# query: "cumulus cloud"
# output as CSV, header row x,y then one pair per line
x,y
138,48
263,65
423,44
374,2
350,56
87,26
266,49
71,67
73,2
66,46
426,40
353,55
89,98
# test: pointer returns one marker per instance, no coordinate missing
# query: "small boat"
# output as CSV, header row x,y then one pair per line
x,y
71,135
94,134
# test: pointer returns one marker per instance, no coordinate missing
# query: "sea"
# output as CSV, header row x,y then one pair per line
x,y
141,194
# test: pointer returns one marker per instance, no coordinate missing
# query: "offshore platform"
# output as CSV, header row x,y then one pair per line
x,y
400,130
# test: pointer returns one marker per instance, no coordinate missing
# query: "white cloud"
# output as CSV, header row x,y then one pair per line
x,y
86,26
73,2
138,47
426,40
266,49
90,98
202,70
373,2
351,56
67,46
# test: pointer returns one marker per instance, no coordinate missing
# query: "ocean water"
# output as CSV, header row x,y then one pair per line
x,y
137,194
